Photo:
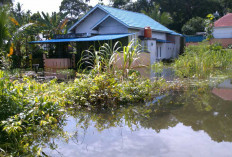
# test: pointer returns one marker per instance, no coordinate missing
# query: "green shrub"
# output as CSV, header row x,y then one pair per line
x,y
29,112
203,60
105,90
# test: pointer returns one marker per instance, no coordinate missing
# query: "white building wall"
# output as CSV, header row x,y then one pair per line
x,y
169,51
222,32
111,26
159,35
151,47
134,36
86,25
159,50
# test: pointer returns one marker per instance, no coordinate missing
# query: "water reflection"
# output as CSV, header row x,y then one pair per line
x,y
190,123
224,90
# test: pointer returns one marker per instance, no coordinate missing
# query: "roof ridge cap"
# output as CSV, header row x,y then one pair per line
x,y
121,9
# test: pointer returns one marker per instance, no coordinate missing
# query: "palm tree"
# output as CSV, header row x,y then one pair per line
x,y
161,17
53,24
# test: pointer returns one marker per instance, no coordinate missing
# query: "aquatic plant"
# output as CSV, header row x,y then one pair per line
x,y
202,61
106,90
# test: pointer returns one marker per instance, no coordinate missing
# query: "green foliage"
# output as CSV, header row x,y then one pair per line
x,y
161,17
32,112
106,90
29,111
203,61
130,54
209,24
196,24
52,24
183,11
158,67
3,28
74,8
104,59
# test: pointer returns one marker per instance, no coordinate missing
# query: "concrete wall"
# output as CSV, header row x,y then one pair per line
x,y
169,51
142,61
160,50
222,32
136,32
111,26
150,46
171,38
224,42
159,35
86,25
57,63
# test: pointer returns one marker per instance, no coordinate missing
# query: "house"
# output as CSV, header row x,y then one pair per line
x,y
222,30
106,24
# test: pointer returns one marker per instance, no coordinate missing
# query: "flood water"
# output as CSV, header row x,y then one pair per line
x,y
192,123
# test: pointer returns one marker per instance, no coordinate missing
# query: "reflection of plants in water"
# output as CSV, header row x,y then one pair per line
x,y
204,111
155,116
111,117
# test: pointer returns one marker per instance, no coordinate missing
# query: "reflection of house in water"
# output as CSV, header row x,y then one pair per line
x,y
224,90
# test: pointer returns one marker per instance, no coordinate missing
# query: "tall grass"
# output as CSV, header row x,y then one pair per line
x,y
203,61
105,59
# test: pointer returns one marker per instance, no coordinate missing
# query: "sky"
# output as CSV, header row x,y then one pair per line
x,y
45,5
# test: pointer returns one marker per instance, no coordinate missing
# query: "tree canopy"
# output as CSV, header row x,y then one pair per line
x,y
196,24
74,8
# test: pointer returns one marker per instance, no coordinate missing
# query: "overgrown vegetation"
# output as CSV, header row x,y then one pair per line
x,y
203,61
32,112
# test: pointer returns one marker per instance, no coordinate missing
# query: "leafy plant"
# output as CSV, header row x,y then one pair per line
x,y
203,61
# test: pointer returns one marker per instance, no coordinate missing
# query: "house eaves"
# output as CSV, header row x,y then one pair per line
x,y
105,18
93,9
82,19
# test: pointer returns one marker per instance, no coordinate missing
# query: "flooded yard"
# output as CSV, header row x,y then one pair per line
x,y
194,122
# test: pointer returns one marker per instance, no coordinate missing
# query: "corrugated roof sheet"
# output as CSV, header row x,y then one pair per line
x,y
134,19
129,19
93,38
224,21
